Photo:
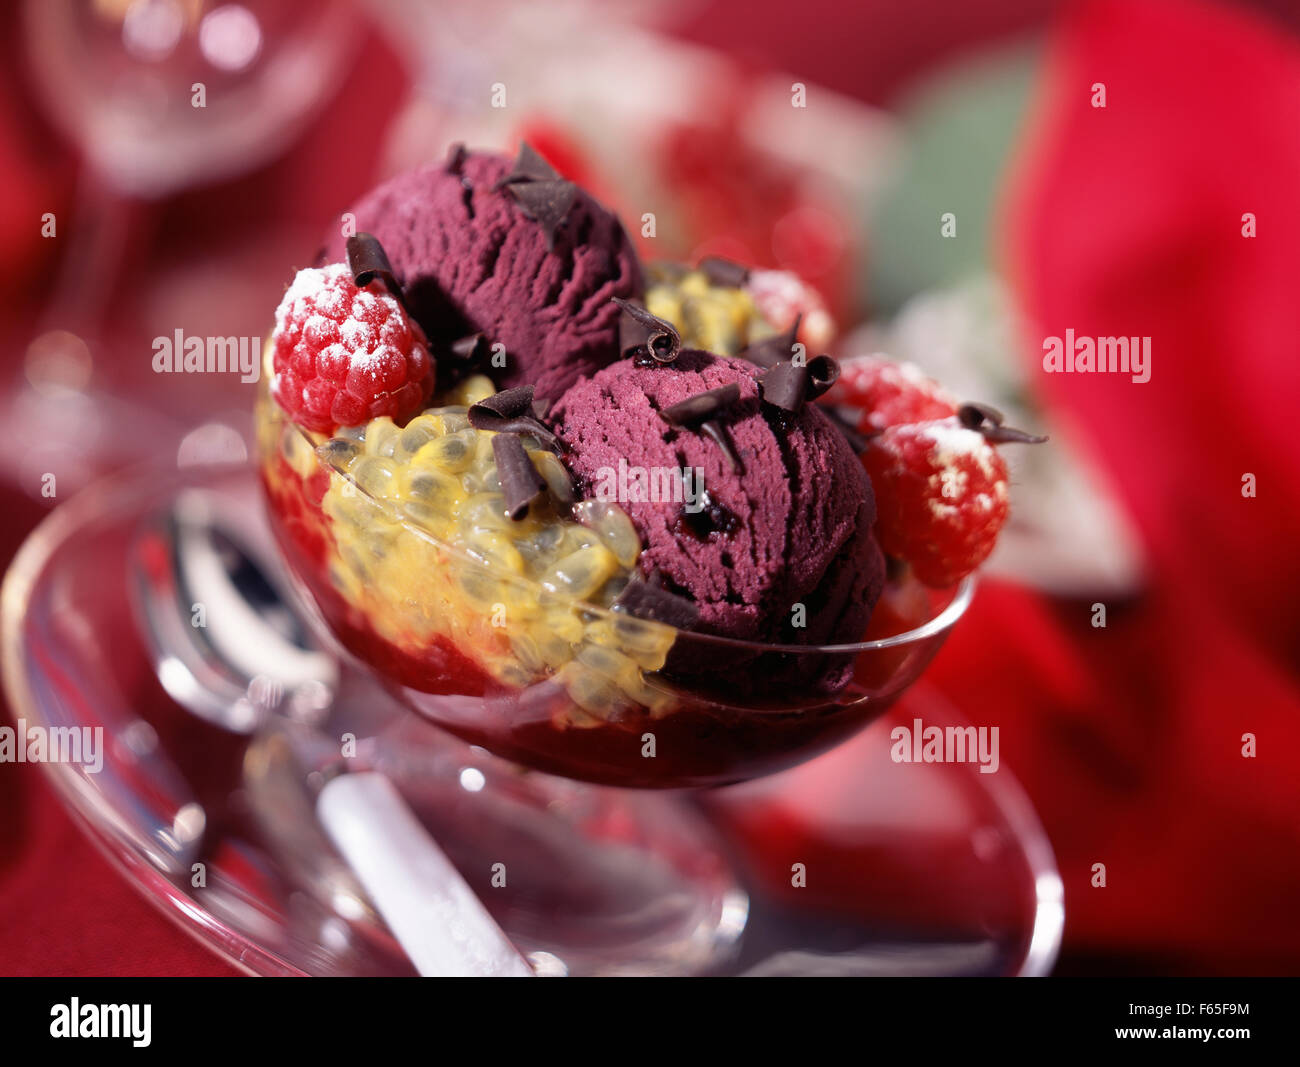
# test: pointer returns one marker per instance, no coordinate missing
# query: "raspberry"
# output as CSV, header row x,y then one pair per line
x,y
343,356
883,393
781,296
941,496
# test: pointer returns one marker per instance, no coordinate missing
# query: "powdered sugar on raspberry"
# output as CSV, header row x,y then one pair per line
x,y
912,375
952,482
941,496
311,288
358,336
780,295
952,442
318,287
881,393
898,373
343,355
953,450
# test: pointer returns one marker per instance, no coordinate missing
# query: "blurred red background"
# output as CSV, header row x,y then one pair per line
x,y
1123,220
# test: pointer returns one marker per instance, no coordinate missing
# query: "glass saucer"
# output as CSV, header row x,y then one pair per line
x,y
278,901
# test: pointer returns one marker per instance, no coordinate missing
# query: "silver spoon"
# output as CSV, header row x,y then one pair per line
x,y
226,643
229,645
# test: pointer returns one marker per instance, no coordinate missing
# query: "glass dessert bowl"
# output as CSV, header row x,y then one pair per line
x,y
509,634
641,563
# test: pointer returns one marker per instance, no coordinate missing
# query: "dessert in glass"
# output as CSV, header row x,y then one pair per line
x,y
618,532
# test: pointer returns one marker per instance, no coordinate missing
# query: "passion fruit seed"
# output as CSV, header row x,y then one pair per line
x,y
580,573
438,474
610,523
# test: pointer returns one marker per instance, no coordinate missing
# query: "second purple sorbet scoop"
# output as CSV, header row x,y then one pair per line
x,y
793,528
471,260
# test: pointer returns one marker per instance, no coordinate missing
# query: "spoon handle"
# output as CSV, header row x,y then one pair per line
x,y
443,926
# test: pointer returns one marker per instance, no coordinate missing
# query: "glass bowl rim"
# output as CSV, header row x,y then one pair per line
x,y
940,622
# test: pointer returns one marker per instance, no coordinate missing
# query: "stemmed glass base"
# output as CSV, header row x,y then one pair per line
x,y
583,879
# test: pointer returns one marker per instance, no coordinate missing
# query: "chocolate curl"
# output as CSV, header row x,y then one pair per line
x,y
972,415
529,167
511,411
987,421
456,156
702,406
789,386
721,436
540,192
520,480
646,599
639,331
702,410
724,272
776,349
823,373
508,403
547,203
470,349
367,261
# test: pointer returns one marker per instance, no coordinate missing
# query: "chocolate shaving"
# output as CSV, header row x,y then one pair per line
x,y
470,349
547,203
520,480
823,373
785,386
724,272
702,406
702,410
972,415
529,167
719,433
367,261
643,334
456,156
1003,435
540,192
789,386
507,404
511,411
987,421
775,349
648,600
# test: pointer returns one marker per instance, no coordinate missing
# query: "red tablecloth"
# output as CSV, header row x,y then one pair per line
x,y
1171,214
